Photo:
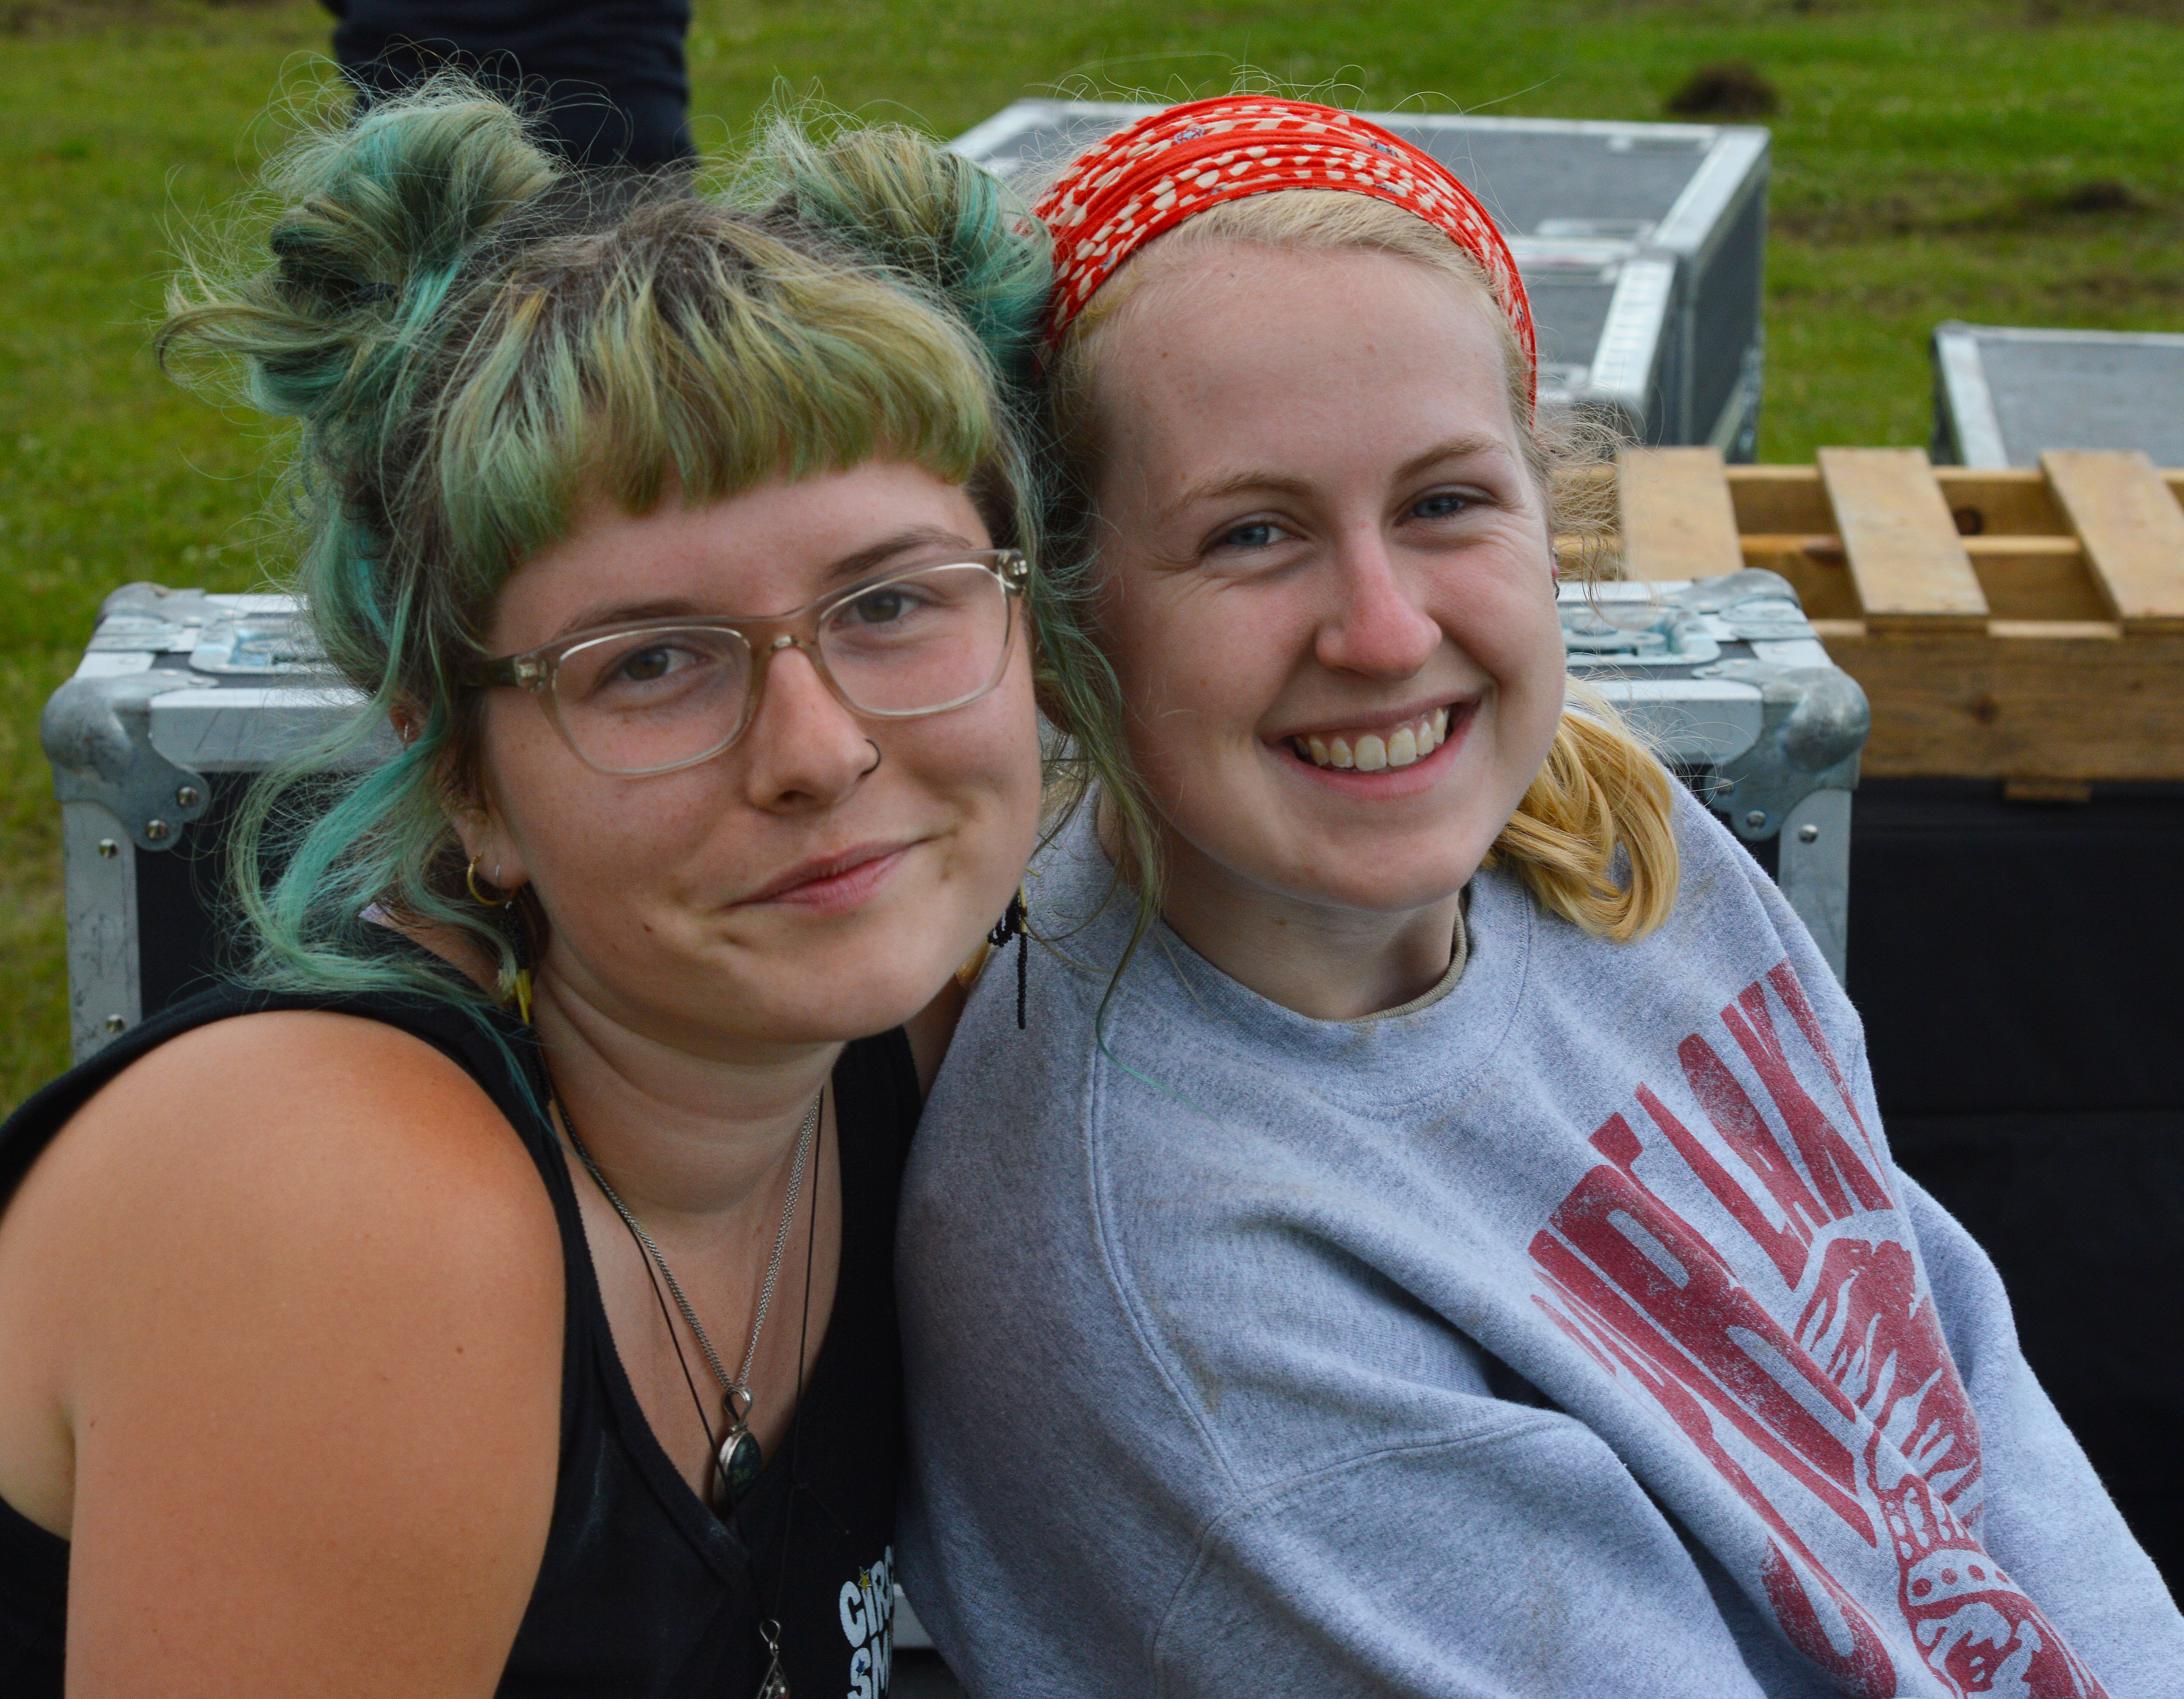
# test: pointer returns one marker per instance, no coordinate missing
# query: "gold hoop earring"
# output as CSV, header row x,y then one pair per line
x,y
477,896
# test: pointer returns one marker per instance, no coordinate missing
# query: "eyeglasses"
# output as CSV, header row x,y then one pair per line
x,y
653,696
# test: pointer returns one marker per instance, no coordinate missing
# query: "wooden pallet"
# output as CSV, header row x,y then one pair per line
x,y
2024,626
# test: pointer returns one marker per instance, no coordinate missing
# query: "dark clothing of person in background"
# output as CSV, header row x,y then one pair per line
x,y
606,80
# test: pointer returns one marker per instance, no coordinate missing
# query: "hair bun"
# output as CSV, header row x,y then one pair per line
x,y
376,219
941,220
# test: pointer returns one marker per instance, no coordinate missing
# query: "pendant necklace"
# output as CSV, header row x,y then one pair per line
x,y
737,1460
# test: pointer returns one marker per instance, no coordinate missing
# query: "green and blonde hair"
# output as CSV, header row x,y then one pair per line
x,y
471,335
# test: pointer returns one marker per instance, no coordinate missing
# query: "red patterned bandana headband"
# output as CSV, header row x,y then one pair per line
x,y
1145,180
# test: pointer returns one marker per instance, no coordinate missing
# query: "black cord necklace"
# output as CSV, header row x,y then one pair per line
x,y
776,1684
738,1461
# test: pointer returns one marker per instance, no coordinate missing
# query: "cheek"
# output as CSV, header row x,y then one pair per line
x,y
1198,670
1530,678
983,759
583,835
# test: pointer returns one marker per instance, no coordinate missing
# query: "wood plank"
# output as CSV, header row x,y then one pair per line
x,y
1779,498
1677,519
2133,531
1813,565
2073,792
2027,700
1911,568
2001,501
2034,578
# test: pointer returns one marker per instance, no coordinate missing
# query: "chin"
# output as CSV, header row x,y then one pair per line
x,y
1352,871
831,1010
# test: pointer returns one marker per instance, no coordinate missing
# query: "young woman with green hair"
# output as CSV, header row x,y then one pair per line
x,y
491,1293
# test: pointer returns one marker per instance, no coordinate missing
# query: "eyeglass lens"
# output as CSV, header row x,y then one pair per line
x,y
638,701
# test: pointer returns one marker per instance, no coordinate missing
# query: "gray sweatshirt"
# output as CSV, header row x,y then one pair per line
x,y
1573,1333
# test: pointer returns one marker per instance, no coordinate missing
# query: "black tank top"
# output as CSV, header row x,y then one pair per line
x,y
642,1590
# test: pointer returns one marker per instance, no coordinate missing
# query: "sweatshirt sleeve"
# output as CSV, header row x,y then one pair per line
x,y
1520,1561
2048,1520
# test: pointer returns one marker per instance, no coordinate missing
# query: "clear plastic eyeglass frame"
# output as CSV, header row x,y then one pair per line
x,y
760,639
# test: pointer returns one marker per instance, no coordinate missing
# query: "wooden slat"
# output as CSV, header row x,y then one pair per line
x,y
1779,498
2001,501
2133,531
1677,520
2023,577
2050,699
1909,563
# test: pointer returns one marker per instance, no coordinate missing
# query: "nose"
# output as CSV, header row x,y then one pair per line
x,y
1374,626
805,751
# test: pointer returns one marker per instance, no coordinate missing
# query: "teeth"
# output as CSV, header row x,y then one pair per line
x,y
1402,747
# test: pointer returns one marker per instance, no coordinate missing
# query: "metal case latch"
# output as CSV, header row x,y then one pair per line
x,y
97,734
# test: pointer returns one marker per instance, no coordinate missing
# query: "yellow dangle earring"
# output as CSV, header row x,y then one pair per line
x,y
515,983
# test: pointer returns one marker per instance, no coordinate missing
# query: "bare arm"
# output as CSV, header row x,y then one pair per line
x,y
296,1348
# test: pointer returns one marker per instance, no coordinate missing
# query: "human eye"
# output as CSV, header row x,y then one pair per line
x,y
652,662
887,605
1251,534
642,668
1446,504
890,610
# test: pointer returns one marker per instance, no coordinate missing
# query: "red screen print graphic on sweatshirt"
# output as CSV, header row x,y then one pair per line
x,y
1854,1415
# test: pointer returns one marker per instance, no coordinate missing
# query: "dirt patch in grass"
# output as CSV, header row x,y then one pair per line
x,y
2078,208
1733,89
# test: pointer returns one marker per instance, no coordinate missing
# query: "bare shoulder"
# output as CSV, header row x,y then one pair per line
x,y
362,1161
298,1307
298,1108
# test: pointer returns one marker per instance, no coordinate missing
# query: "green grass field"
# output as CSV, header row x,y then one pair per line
x,y
1928,158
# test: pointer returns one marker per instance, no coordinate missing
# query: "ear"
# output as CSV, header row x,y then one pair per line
x,y
474,816
492,849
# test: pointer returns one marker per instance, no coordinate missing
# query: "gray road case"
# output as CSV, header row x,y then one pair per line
x,y
1739,698
1642,245
183,697
180,699
2001,395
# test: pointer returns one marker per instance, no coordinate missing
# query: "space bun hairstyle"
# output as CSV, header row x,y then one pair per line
x,y
471,337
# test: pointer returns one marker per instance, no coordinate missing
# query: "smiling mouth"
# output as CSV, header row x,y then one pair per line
x,y
834,881
1399,744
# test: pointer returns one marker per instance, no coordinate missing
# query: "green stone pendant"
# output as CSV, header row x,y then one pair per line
x,y
739,1462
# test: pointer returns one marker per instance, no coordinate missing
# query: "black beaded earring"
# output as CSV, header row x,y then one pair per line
x,y
1015,924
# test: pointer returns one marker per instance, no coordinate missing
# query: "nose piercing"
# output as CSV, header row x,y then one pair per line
x,y
877,759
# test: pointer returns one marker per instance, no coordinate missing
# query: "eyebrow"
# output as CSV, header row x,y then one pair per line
x,y
871,559
846,570
1278,483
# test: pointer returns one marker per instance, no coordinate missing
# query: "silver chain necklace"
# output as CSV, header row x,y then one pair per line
x,y
737,1459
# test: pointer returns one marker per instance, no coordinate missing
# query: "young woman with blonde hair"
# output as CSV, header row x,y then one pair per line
x,y
1432,1234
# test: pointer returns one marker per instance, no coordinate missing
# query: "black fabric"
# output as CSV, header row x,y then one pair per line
x,y
607,80
2016,965
642,1590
